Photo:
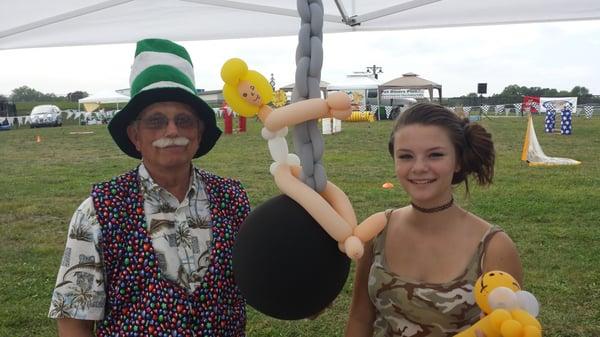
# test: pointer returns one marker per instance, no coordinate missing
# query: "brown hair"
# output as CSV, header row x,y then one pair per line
x,y
472,143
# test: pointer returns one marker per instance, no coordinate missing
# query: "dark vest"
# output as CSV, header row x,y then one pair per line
x,y
142,303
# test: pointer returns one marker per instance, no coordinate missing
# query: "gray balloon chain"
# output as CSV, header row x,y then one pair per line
x,y
308,141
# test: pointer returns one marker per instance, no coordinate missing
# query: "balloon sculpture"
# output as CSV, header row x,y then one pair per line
x,y
510,311
289,256
248,92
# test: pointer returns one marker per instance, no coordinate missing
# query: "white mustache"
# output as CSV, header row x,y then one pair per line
x,y
164,142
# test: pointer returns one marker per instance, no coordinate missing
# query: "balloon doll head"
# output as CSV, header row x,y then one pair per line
x,y
246,91
490,281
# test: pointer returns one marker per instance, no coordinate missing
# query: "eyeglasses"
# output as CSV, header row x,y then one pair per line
x,y
159,122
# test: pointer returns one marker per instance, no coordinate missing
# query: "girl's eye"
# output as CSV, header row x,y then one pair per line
x,y
436,154
404,156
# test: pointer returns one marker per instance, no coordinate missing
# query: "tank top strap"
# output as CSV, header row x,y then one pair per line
x,y
379,241
388,215
482,248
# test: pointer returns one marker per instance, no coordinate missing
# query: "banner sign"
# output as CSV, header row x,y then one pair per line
x,y
531,104
402,93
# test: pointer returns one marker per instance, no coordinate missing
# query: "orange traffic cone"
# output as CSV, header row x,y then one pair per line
x,y
38,139
387,186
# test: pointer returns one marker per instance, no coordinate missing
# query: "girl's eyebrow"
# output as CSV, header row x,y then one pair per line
x,y
435,148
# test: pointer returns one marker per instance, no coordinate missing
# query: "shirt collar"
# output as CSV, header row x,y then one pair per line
x,y
148,184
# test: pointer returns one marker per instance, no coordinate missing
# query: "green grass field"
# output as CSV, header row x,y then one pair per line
x,y
551,213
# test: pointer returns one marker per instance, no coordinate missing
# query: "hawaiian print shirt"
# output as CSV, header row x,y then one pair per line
x,y
181,236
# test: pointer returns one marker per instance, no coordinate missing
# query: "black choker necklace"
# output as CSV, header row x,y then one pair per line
x,y
433,209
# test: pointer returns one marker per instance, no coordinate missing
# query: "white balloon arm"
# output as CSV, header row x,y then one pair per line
x,y
279,149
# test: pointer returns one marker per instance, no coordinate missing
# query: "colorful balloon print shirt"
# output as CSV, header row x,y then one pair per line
x,y
180,232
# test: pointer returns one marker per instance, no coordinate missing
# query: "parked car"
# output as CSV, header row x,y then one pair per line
x,y
5,125
45,115
90,121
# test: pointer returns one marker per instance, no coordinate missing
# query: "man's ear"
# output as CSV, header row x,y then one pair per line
x,y
133,135
201,129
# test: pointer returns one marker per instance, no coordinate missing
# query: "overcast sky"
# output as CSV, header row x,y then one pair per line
x,y
553,55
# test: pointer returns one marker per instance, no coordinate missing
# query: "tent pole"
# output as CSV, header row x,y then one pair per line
x,y
378,105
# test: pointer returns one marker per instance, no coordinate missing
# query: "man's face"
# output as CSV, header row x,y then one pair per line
x,y
167,134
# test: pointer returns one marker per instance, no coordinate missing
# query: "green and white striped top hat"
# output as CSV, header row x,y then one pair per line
x,y
162,71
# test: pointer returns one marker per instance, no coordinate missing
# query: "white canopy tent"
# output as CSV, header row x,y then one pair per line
x,y
40,23
358,82
354,83
104,97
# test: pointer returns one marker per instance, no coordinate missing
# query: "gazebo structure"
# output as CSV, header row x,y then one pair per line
x,y
409,81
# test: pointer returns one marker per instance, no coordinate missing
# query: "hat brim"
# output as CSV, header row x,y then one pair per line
x,y
119,123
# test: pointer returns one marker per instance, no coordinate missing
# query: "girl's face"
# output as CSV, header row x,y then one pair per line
x,y
425,161
249,93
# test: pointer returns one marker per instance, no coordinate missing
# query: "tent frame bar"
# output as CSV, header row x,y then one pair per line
x,y
257,8
356,20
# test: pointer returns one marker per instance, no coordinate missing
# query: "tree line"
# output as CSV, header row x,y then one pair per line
x,y
511,94
514,94
27,94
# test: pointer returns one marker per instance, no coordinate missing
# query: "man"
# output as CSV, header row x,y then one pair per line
x,y
149,252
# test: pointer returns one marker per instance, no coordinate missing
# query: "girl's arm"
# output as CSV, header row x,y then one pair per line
x,y
501,254
70,327
362,312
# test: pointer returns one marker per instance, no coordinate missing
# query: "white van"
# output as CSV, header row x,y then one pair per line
x,y
45,115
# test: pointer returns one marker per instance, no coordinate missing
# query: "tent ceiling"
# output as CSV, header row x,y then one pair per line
x,y
41,23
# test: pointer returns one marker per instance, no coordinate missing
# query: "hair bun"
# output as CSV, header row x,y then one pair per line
x,y
465,122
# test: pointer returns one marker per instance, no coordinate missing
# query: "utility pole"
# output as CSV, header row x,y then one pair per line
x,y
375,70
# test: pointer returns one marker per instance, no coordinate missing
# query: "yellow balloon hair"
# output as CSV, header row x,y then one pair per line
x,y
235,71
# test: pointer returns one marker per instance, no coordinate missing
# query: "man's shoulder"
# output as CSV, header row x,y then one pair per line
x,y
87,206
217,185
210,178
117,178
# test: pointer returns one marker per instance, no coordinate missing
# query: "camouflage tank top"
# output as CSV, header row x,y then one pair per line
x,y
412,309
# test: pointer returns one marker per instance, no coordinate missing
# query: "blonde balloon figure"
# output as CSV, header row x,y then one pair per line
x,y
248,93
